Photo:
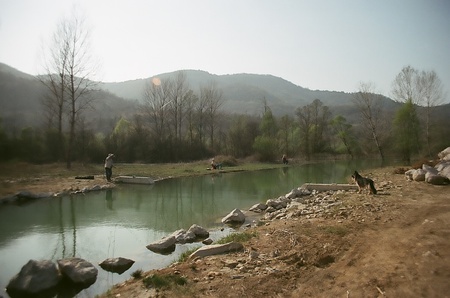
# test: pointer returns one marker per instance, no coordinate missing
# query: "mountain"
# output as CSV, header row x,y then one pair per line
x,y
21,97
245,93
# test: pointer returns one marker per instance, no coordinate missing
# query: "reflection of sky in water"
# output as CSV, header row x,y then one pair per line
x,y
121,222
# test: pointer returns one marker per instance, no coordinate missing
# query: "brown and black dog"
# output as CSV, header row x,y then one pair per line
x,y
363,182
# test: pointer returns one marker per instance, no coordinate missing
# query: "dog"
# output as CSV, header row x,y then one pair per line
x,y
363,182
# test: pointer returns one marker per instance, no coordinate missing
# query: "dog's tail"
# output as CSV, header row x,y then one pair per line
x,y
372,187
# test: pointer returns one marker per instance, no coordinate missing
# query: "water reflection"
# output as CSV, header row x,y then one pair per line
x,y
120,222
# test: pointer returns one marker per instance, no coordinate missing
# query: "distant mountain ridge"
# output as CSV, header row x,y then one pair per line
x,y
21,95
244,93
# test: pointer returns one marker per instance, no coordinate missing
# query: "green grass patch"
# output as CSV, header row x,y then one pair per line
x,y
335,230
164,281
237,237
137,274
185,255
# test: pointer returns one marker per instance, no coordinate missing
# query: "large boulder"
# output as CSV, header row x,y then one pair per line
x,y
36,278
116,265
436,179
444,154
163,246
444,168
234,217
78,271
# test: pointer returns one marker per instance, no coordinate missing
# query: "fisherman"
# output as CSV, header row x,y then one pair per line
x,y
108,166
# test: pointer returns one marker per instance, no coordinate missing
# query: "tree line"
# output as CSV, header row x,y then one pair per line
x,y
174,123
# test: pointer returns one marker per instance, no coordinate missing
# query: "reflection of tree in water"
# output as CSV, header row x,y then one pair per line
x,y
109,199
62,229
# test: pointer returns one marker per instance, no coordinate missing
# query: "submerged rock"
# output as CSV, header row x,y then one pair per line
x,y
163,246
117,265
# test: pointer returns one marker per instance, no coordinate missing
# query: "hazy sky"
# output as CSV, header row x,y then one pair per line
x,y
317,44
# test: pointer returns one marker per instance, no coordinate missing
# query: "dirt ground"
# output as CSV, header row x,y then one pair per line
x,y
393,244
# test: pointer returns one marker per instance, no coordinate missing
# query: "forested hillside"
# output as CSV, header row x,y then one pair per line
x,y
190,115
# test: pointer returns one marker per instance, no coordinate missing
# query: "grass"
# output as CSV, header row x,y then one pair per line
x,y
137,274
237,237
159,281
335,230
185,255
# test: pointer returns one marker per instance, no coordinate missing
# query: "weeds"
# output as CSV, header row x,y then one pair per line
x,y
164,281
137,274
335,230
237,237
185,255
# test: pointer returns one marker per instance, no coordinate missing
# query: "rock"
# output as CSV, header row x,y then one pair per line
x,y
198,231
444,169
235,216
216,249
78,271
429,169
419,175
36,278
116,265
258,207
163,246
194,233
437,179
444,154
181,237
409,174
298,192
207,241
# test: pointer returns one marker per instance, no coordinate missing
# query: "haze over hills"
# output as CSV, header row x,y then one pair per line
x,y
21,95
245,93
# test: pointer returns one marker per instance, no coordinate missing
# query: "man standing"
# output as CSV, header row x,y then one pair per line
x,y
108,166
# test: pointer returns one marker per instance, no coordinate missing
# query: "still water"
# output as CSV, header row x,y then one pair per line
x,y
122,221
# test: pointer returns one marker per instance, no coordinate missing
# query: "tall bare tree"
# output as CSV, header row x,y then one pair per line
x,y
212,97
369,105
70,69
179,89
404,86
156,99
430,95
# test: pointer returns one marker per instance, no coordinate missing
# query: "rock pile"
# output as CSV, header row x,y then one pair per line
x,y
167,244
45,279
437,175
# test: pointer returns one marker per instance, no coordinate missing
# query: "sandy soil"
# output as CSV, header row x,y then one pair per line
x,y
393,244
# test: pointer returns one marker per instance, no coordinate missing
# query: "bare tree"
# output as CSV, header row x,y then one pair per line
x,y
69,70
177,103
156,99
54,79
191,101
369,105
404,87
429,87
211,96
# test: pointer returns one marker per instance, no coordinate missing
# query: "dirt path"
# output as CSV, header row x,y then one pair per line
x,y
394,244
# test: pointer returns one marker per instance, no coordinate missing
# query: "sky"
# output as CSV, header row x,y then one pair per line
x,y
330,45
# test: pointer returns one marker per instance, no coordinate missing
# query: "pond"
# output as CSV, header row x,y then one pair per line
x,y
122,221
